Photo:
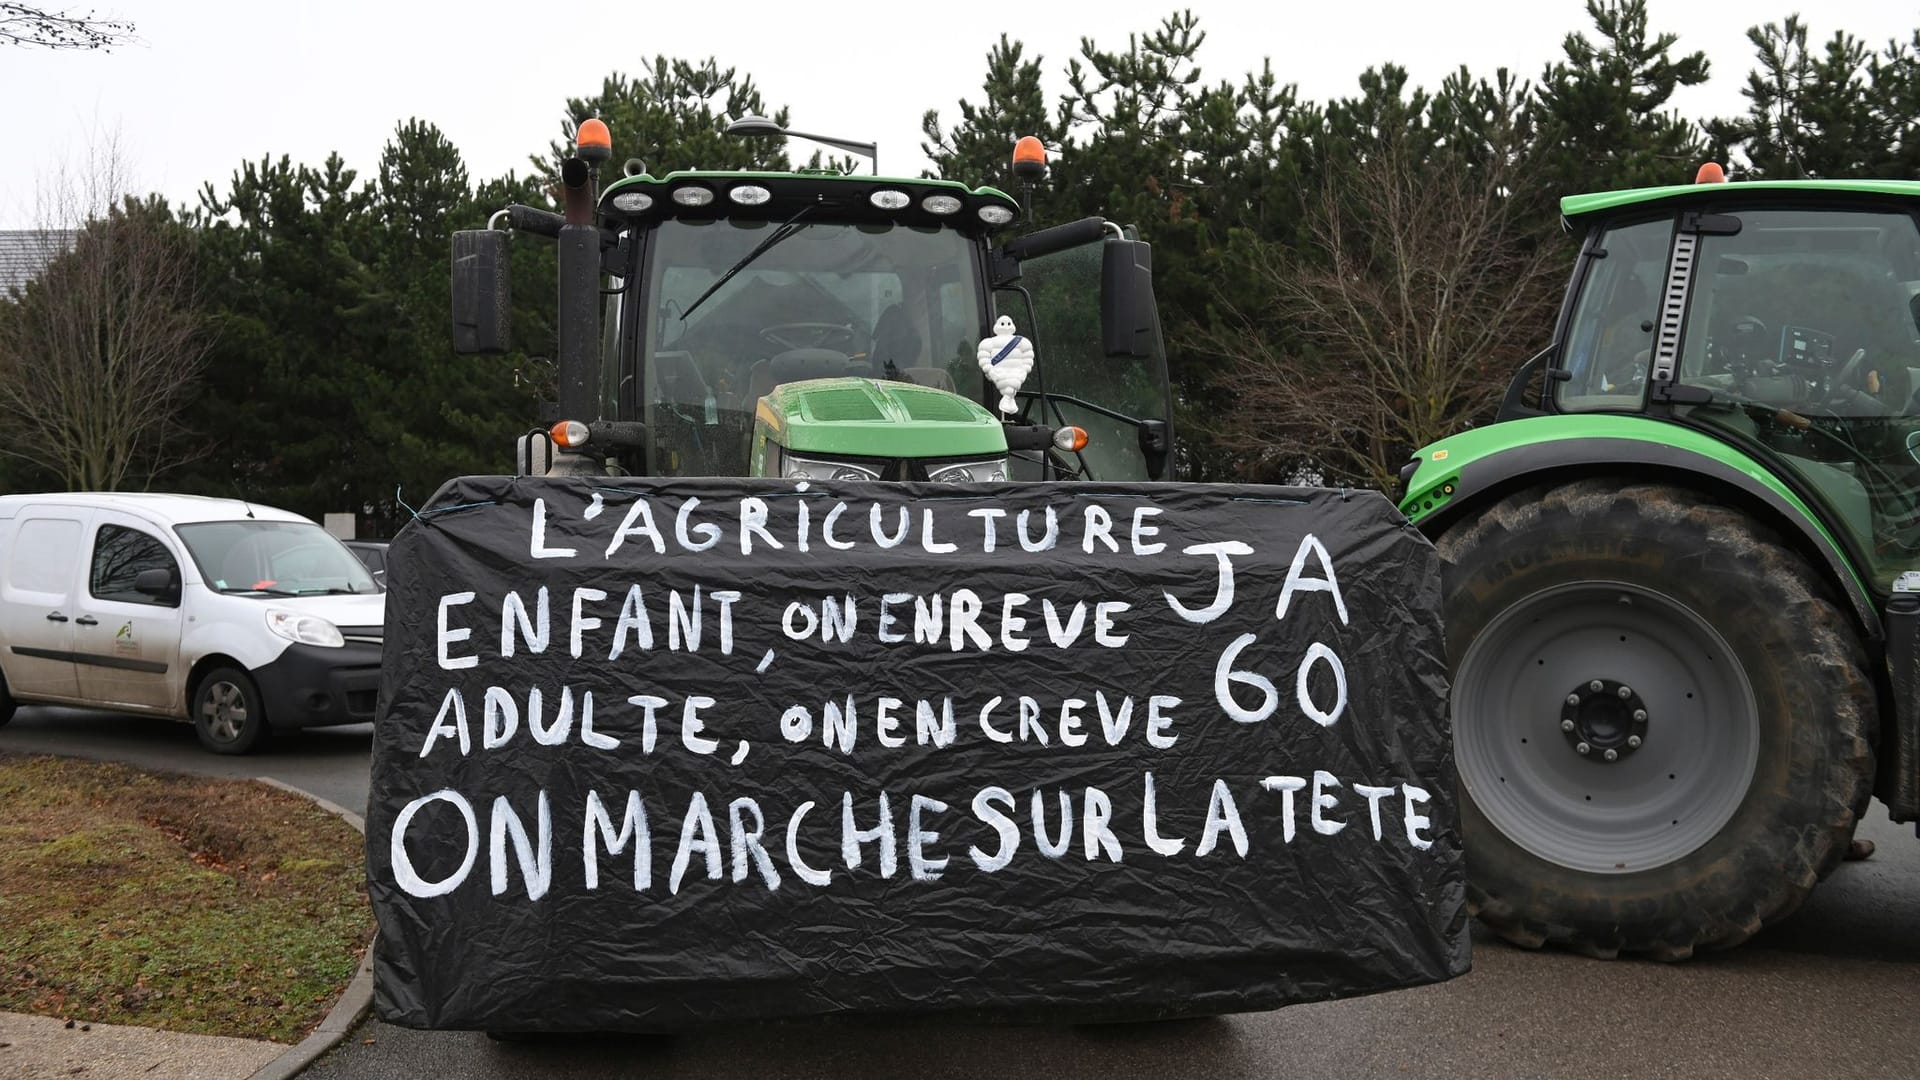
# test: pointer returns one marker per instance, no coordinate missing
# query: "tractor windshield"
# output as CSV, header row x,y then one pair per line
x,y
827,299
1802,326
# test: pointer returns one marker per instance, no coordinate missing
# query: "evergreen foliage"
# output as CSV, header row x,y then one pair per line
x,y
1298,245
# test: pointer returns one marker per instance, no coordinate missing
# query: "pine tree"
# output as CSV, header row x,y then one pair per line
x,y
979,148
1602,114
1817,114
672,117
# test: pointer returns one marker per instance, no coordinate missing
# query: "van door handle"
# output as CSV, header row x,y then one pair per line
x,y
54,616
87,620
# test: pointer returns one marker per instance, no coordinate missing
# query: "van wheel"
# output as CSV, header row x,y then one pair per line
x,y
7,704
227,713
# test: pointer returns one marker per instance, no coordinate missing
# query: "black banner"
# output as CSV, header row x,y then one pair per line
x,y
655,753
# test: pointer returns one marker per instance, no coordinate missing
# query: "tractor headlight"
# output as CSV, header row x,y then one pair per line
x,y
968,472
799,468
305,629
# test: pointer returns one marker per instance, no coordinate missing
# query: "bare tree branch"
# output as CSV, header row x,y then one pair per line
x,y
1423,291
99,353
34,27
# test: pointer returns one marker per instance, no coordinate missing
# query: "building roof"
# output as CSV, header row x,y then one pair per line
x,y
25,252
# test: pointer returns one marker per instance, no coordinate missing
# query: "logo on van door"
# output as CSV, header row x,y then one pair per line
x,y
123,641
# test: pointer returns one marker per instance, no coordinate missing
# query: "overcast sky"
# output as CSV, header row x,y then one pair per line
x,y
216,82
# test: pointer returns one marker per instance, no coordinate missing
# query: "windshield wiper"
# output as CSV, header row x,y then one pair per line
x,y
331,590
787,228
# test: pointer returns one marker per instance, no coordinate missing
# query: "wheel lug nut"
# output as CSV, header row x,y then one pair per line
x,y
1640,716
1596,686
1573,699
1633,742
1566,725
1625,692
1583,748
1612,755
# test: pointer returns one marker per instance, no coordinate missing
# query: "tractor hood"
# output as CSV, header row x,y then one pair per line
x,y
874,418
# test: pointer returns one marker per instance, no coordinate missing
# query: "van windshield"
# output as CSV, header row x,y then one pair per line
x,y
274,558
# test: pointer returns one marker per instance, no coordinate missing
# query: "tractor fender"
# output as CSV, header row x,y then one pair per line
x,y
1442,492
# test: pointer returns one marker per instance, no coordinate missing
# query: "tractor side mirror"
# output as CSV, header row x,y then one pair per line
x,y
1126,299
481,305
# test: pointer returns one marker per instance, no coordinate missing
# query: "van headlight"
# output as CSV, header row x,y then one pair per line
x,y
799,468
305,629
966,472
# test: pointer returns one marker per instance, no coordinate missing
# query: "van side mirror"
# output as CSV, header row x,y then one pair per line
x,y
481,305
1126,300
157,582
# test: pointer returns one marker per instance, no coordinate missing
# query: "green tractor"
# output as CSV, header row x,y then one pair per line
x,y
1682,570
813,324
772,347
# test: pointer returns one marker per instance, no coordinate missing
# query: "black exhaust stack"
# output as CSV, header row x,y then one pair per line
x,y
579,307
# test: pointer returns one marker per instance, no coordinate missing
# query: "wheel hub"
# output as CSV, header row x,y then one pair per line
x,y
1541,793
225,711
1603,720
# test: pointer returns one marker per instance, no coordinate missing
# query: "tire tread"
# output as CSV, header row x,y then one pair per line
x,y
1837,658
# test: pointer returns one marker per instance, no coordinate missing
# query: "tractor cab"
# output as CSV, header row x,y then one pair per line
x,y
1782,318
815,324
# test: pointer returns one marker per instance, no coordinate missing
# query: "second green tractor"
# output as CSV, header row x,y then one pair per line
x,y
1682,572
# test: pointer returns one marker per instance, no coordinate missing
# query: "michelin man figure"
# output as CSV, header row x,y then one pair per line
x,y
1006,357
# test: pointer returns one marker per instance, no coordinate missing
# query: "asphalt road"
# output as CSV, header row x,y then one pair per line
x,y
332,763
1833,992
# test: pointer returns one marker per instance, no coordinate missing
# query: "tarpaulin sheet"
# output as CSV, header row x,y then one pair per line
x,y
654,753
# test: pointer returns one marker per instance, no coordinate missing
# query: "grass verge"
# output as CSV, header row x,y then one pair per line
x,y
217,907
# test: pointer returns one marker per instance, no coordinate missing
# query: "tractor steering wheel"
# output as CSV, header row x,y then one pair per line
x,y
814,335
1849,374
1864,392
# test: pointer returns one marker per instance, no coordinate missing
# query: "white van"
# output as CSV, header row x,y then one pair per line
x,y
235,617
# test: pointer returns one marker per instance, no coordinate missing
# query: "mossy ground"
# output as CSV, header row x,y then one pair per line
x,y
217,907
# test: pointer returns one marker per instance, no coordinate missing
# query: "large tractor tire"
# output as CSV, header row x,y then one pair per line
x,y
1662,719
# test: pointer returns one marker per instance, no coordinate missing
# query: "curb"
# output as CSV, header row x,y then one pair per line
x,y
353,1003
